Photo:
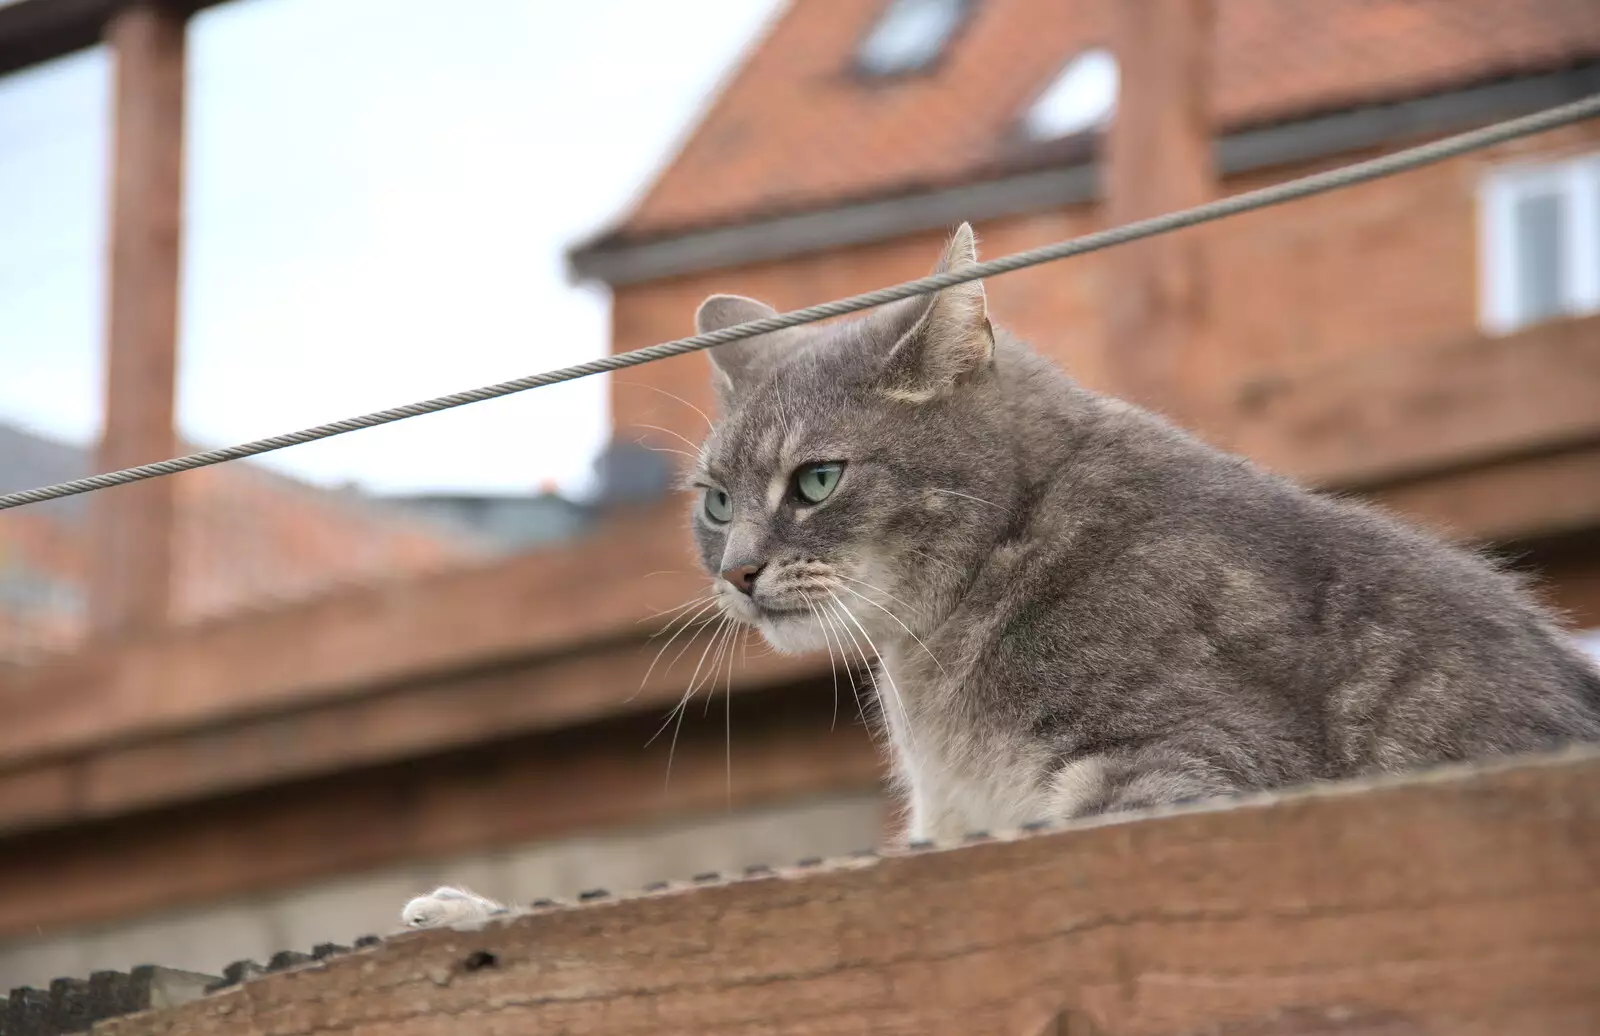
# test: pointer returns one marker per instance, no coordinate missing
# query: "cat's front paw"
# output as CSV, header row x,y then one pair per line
x,y
447,907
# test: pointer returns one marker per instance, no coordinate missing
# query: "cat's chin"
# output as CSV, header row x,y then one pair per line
x,y
793,634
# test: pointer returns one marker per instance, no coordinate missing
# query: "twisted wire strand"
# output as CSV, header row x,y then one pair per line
x,y
1277,194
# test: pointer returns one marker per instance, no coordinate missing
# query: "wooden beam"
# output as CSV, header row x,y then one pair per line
x,y
35,31
131,539
1521,498
1403,414
350,644
502,792
1461,902
1159,159
401,722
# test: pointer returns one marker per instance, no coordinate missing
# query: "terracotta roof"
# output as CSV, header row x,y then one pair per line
x,y
246,538
797,128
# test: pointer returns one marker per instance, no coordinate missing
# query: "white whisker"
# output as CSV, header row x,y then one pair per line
x,y
833,668
687,623
783,417
878,589
669,611
969,496
866,662
667,449
716,667
742,635
936,560
898,698
694,677
720,638
670,395
681,438
849,669
896,618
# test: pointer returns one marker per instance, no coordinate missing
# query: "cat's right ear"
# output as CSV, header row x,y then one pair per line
x,y
733,366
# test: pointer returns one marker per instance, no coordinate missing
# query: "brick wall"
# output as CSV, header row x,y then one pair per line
x,y
1382,266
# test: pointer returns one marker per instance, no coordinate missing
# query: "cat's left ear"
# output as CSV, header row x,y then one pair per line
x,y
952,339
735,366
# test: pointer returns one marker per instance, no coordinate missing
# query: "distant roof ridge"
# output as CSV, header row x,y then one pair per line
x,y
794,130
65,460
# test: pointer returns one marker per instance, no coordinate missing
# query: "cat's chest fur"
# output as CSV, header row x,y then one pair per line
x,y
959,773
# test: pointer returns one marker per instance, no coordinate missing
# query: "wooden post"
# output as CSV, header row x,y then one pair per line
x,y
1159,159
132,526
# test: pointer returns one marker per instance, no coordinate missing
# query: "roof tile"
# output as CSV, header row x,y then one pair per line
x,y
797,128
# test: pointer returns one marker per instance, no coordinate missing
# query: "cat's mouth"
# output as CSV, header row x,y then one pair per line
x,y
756,613
776,612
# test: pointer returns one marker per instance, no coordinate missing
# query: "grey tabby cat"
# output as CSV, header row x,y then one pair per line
x,y
1075,606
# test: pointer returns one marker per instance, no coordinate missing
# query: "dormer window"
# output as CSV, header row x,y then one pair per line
x,y
1083,96
909,35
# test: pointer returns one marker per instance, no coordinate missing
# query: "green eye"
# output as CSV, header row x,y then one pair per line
x,y
718,505
815,482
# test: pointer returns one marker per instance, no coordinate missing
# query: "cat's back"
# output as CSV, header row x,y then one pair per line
x,y
1164,572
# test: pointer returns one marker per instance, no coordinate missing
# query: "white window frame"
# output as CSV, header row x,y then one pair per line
x,y
960,10
1578,181
1042,123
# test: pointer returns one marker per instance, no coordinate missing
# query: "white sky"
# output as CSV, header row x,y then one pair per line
x,y
378,201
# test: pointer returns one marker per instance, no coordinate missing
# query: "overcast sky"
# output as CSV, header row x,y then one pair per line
x,y
378,200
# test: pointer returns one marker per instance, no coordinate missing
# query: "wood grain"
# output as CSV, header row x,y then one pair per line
x,y
513,790
1462,903
1379,420
1158,159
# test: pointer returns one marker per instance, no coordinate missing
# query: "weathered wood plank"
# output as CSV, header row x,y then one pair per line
x,y
1159,158
348,644
504,791
1462,902
1409,413
1521,498
405,721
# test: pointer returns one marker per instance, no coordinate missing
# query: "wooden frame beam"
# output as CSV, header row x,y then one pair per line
x,y
502,792
1158,159
539,605
1459,902
327,737
35,31
1406,414
131,535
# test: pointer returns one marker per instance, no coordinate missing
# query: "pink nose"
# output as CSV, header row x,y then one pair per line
x,y
743,577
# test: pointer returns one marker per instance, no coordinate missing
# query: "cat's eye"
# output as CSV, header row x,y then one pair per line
x,y
814,483
718,505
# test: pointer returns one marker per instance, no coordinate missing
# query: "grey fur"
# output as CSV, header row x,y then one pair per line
x,y
1079,607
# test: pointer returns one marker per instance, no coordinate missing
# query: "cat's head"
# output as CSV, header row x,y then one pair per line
x,y
856,466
